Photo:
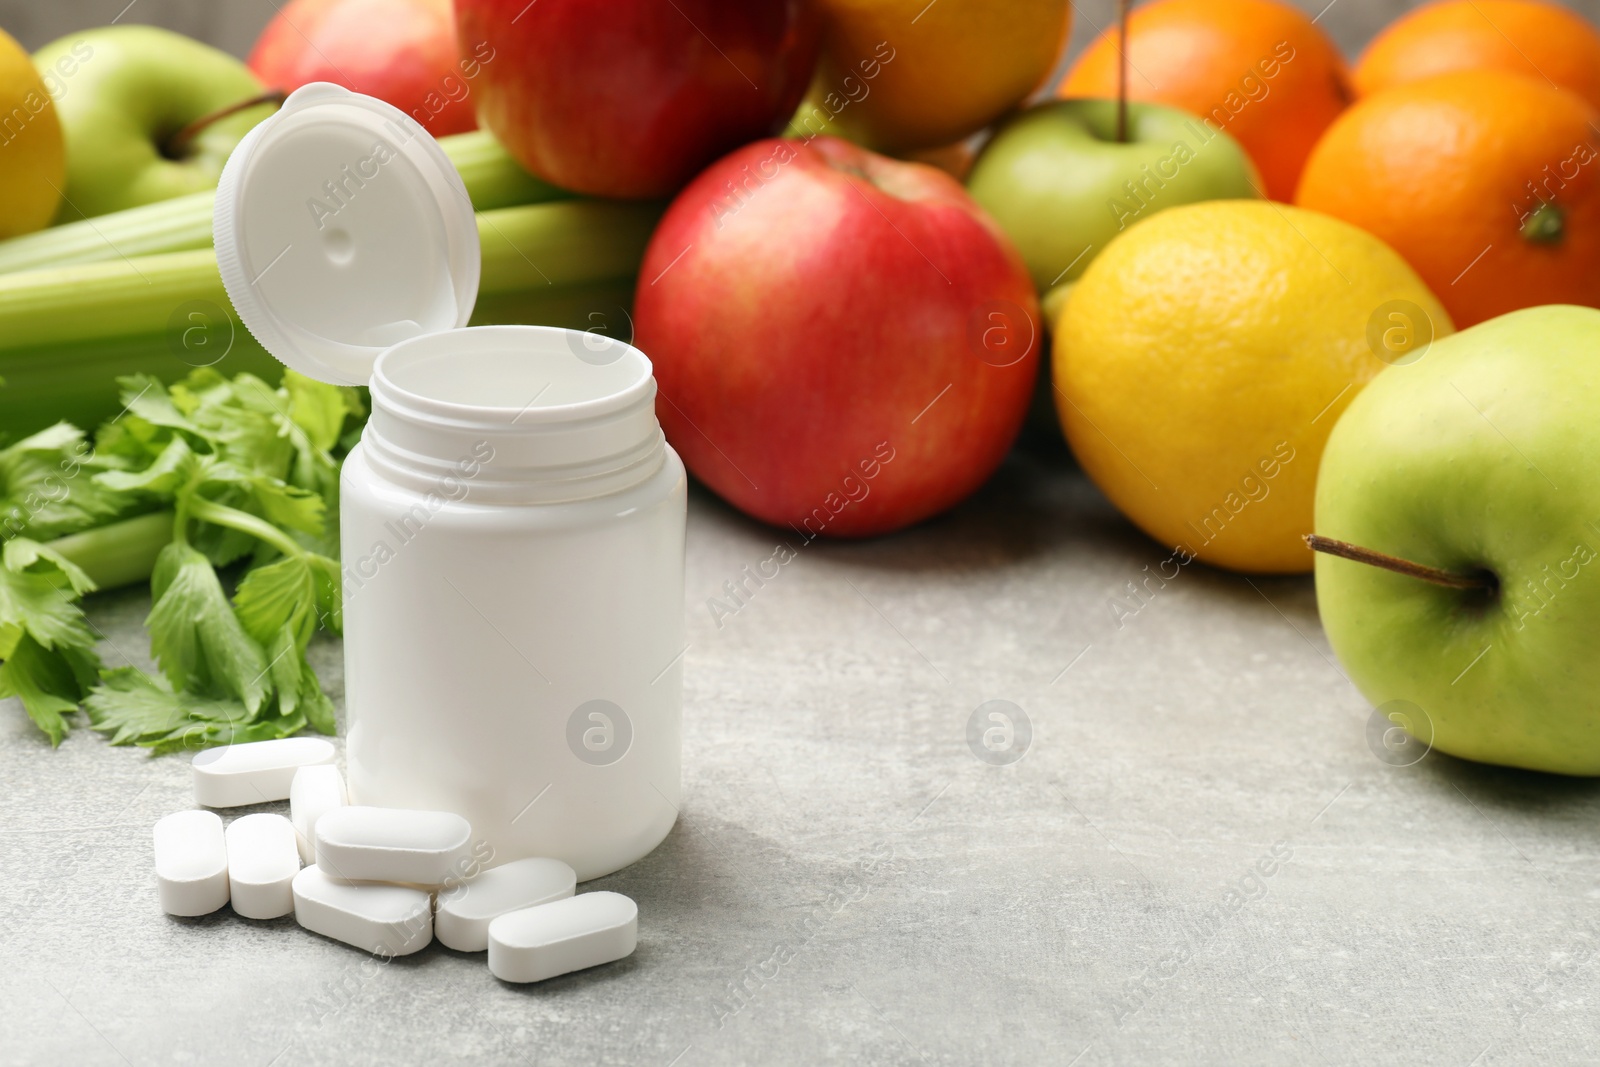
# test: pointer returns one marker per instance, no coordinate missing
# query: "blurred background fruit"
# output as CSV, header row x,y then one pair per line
x,y
954,159
1061,185
632,98
32,170
400,51
1258,69
900,75
1541,40
125,109
1205,355
847,346
1486,182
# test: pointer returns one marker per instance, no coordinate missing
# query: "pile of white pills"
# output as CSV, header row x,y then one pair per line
x,y
382,879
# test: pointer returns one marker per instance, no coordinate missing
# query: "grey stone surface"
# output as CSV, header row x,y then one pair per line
x,y
879,893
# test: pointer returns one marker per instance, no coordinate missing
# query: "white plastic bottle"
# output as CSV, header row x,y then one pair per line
x,y
512,521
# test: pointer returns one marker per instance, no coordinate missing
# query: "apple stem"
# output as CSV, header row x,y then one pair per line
x,y
1122,71
1345,550
177,146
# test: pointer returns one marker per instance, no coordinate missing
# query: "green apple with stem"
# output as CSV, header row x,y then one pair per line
x,y
147,114
1062,184
1458,529
1063,179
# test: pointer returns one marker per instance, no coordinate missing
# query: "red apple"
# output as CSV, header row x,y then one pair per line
x,y
400,51
631,98
843,343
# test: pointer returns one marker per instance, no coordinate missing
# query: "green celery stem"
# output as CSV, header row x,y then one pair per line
x,y
124,552
493,180
174,225
104,301
120,553
572,243
563,243
262,530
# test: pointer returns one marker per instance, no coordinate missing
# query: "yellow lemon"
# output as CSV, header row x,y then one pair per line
x,y
898,75
1206,353
32,163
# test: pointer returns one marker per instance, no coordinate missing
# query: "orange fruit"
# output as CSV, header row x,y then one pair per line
x,y
902,75
1521,36
1487,183
1259,69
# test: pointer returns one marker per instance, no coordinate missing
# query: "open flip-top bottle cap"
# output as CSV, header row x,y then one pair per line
x,y
341,229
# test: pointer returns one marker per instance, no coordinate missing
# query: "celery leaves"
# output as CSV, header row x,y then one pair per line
x,y
195,635
46,488
46,645
250,475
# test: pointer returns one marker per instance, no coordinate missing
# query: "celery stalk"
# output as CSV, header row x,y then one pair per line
x,y
493,180
104,301
564,243
120,553
166,226
605,306
570,243
75,379
77,382
66,333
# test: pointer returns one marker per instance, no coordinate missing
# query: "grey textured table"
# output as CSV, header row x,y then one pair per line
x,y
1199,858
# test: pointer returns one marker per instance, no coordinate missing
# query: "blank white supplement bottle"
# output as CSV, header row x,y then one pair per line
x,y
511,523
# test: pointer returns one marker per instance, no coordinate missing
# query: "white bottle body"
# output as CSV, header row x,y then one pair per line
x,y
482,639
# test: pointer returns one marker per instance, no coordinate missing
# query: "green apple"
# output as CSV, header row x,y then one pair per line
x,y
1481,462
1061,185
122,94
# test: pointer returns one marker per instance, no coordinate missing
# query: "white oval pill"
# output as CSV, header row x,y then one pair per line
x,y
191,863
565,935
391,920
313,792
255,772
359,843
263,859
462,918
